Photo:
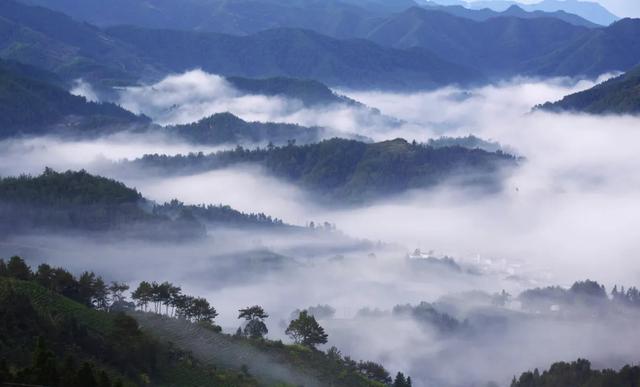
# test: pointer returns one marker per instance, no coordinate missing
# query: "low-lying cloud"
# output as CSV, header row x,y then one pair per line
x,y
569,212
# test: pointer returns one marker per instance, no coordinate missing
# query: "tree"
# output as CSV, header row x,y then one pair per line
x,y
116,291
305,330
401,381
374,371
255,327
142,295
18,269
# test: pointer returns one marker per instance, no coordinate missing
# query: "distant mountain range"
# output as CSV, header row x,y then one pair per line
x,y
417,48
507,46
620,95
589,10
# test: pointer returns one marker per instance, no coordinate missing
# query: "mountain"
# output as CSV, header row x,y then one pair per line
x,y
238,17
352,171
31,104
226,128
296,53
513,11
602,50
508,46
81,202
620,95
308,91
589,10
71,49
497,47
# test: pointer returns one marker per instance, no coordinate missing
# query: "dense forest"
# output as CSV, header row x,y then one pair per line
x,y
579,373
309,92
31,104
226,128
619,95
80,201
352,170
62,330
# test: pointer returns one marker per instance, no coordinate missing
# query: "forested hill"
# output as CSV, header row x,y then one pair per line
x,y
226,128
31,104
81,202
620,95
350,170
309,92
58,329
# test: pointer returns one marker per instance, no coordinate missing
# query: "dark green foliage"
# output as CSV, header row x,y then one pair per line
x,y
80,347
217,215
71,49
305,330
401,381
620,95
425,313
254,316
355,171
579,373
225,128
18,269
309,92
34,106
81,201
374,371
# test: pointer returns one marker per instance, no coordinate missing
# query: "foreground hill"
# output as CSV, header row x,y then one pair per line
x,y
87,335
350,170
620,95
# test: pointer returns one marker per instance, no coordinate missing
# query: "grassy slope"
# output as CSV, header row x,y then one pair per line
x,y
183,370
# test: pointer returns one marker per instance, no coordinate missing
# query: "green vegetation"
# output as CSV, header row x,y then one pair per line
x,y
620,95
579,373
90,342
226,128
306,331
309,92
81,345
30,104
80,201
353,171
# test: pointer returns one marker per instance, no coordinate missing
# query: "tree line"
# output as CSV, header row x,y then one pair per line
x,y
168,299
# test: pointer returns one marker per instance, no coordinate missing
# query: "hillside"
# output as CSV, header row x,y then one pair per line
x,y
71,49
350,170
89,334
226,128
602,50
83,346
499,46
309,92
80,202
31,104
578,373
620,95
